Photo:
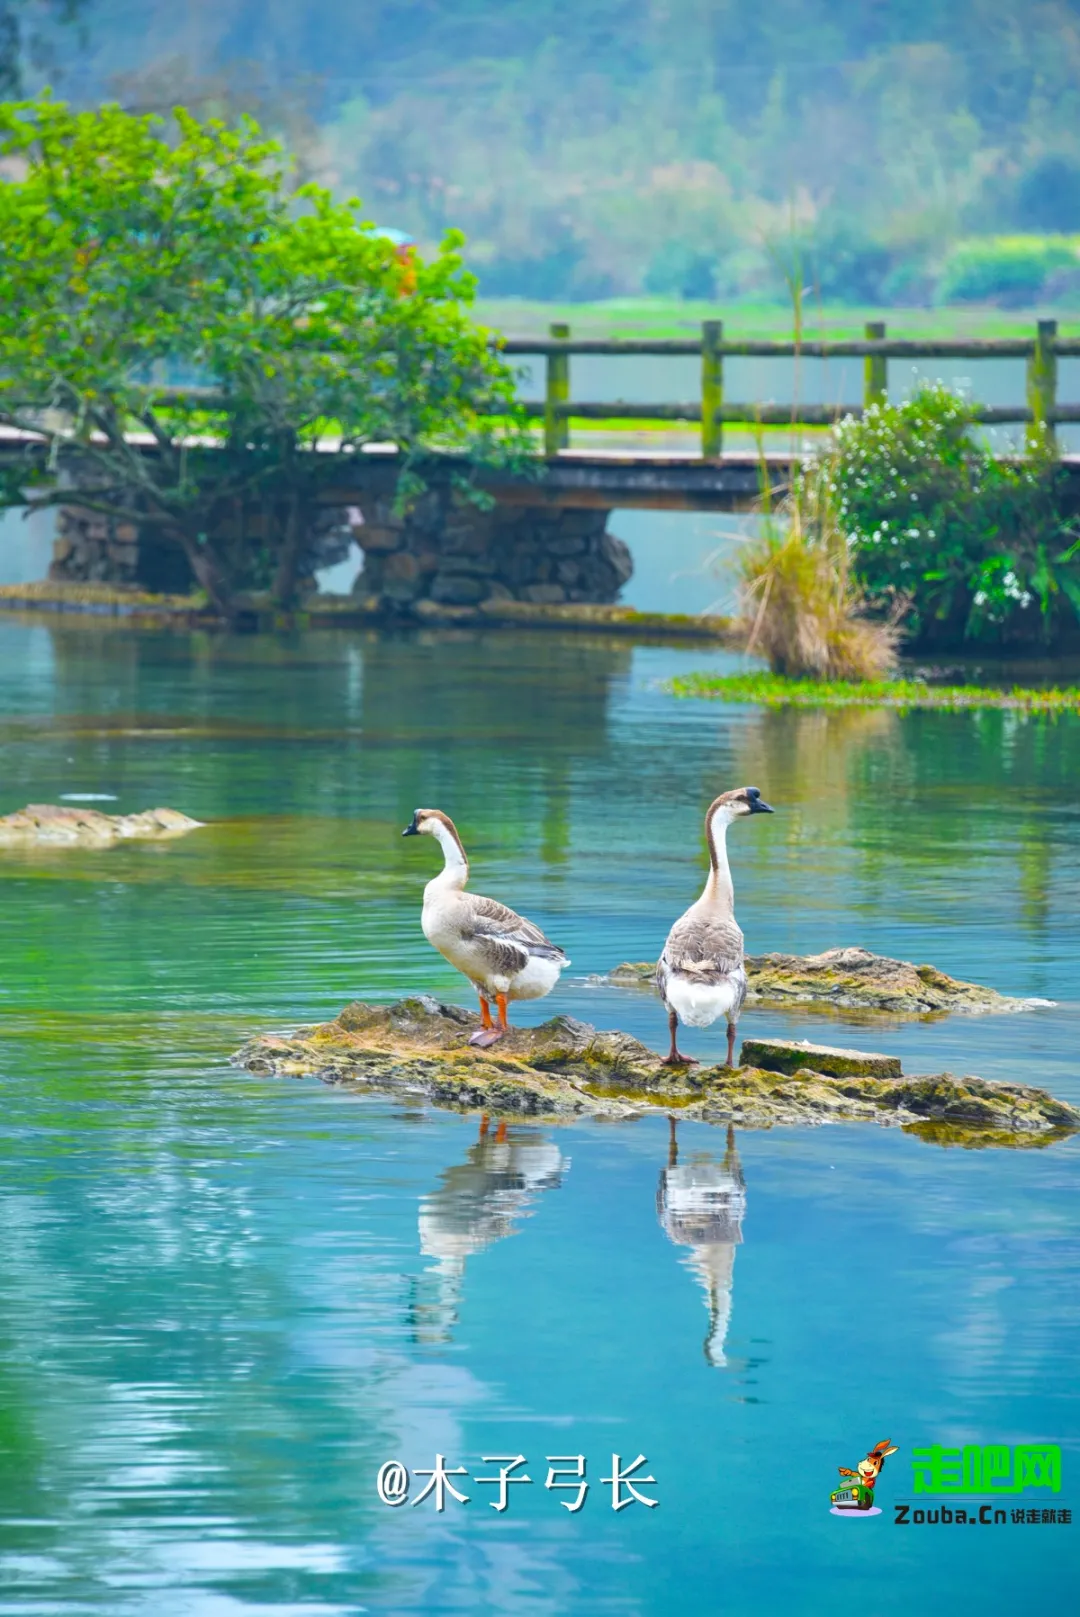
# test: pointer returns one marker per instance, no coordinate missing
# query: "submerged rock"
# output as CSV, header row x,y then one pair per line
x,y
75,827
849,979
419,1048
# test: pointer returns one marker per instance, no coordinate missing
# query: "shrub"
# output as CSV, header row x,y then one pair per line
x,y
978,547
679,270
801,605
846,266
1012,270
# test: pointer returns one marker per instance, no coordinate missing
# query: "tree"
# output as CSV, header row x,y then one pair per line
x,y
181,336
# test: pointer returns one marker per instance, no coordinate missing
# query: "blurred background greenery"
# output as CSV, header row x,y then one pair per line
x,y
888,153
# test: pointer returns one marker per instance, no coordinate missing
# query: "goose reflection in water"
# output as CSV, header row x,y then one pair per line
x,y
700,1204
478,1202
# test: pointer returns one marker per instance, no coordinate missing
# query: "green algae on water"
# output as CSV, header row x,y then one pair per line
x,y
775,690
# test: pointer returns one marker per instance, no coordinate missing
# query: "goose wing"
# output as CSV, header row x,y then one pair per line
x,y
704,948
508,939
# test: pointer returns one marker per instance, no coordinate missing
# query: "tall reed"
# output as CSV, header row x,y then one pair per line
x,y
801,605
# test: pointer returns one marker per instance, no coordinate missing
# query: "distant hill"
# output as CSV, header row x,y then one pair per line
x,y
693,147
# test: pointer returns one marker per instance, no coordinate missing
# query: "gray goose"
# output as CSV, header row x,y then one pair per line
x,y
700,973
502,954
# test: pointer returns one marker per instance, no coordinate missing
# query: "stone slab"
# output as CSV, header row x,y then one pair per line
x,y
795,1055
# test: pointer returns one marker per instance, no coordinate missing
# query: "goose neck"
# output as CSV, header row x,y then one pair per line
x,y
718,886
455,871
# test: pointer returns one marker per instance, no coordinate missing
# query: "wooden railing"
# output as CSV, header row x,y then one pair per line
x,y
1041,413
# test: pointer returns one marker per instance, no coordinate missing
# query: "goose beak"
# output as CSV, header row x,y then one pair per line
x,y
412,829
759,806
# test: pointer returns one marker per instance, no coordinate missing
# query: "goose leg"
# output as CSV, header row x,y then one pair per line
x,y
731,1044
488,1033
673,1057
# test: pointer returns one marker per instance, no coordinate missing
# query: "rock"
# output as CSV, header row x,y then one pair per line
x,y
848,979
74,827
544,594
616,552
792,1055
451,589
372,537
420,1047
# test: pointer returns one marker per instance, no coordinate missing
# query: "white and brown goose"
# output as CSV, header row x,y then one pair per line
x,y
502,954
701,974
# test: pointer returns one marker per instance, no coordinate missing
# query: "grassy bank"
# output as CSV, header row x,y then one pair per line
x,y
673,317
773,690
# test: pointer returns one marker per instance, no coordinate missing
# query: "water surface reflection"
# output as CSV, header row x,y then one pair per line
x,y
701,1203
478,1202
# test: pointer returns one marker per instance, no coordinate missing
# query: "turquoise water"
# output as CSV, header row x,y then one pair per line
x,y
227,1300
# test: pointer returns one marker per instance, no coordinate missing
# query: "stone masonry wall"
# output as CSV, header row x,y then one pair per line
x,y
445,550
449,551
92,548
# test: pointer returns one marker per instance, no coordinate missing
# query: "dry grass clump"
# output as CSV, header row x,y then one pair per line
x,y
801,605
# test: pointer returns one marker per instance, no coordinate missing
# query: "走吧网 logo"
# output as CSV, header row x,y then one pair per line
x,y
855,1495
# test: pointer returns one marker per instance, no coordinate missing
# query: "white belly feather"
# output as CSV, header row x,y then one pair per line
x,y
699,1004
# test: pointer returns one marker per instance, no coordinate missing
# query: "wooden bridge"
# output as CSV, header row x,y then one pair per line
x,y
715,478
557,409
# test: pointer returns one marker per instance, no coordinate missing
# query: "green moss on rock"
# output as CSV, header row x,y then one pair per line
x,y
419,1047
790,1055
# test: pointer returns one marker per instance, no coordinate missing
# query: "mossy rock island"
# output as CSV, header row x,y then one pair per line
x,y
419,1049
849,979
47,825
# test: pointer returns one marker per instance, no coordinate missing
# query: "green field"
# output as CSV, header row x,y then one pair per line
x,y
669,317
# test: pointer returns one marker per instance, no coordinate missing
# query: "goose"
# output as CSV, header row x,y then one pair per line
x,y
700,973
503,955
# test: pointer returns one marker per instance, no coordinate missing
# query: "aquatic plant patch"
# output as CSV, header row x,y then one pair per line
x,y
774,690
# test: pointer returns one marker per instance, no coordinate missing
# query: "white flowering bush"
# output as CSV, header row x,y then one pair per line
x,y
979,547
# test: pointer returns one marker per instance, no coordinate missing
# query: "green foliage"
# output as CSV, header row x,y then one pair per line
x,y
773,690
978,547
137,256
1012,270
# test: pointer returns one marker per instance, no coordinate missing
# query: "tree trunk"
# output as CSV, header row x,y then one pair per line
x,y
283,593
209,574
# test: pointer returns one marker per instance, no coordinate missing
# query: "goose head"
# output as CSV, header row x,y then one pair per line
x,y
427,823
734,805
434,823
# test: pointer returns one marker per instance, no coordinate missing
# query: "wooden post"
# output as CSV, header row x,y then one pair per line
x,y
557,428
875,367
712,389
1042,388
